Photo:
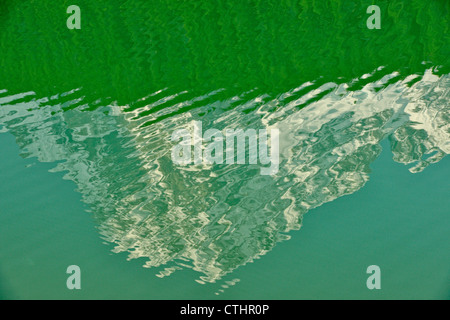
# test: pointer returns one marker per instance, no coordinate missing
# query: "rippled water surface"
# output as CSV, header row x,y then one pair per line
x,y
87,178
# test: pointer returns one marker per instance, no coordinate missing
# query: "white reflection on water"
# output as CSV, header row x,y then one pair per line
x,y
216,218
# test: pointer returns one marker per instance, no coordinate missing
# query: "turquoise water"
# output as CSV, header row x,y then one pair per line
x,y
394,221
87,177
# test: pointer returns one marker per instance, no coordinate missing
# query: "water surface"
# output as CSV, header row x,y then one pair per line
x,y
87,177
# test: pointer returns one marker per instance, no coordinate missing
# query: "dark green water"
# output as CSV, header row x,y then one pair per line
x,y
86,175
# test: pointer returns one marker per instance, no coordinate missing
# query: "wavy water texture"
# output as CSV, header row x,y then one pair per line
x,y
128,49
216,218
102,102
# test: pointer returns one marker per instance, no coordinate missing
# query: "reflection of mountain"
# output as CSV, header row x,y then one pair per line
x,y
425,138
215,219
230,64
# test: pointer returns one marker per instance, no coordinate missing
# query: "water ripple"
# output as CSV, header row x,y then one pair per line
x,y
101,104
216,218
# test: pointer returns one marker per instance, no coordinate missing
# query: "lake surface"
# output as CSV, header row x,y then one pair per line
x,y
87,178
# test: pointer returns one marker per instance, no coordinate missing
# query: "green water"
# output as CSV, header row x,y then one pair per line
x,y
86,176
